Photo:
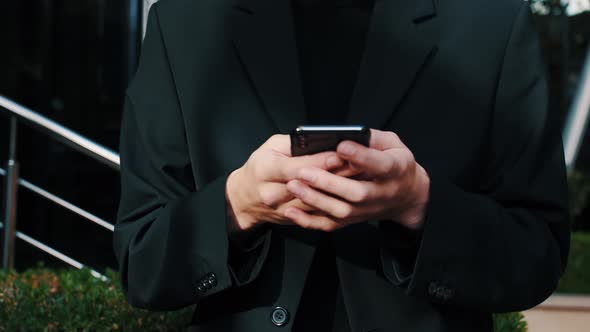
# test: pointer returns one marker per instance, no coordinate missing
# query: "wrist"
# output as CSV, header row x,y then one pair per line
x,y
413,217
238,220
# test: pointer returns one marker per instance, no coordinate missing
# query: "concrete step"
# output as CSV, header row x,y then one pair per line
x,y
560,313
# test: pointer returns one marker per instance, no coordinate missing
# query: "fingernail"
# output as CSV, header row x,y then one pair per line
x,y
346,149
333,161
307,175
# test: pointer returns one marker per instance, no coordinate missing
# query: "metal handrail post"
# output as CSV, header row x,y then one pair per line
x,y
11,187
577,119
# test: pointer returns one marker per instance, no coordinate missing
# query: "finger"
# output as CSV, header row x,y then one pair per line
x,y
334,207
348,189
374,162
347,171
315,222
277,215
273,194
296,203
287,168
384,140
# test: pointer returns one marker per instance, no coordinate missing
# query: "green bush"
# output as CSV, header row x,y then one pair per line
x,y
71,300
577,275
511,322
579,192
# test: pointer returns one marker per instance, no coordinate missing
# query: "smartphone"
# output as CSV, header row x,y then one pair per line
x,y
313,139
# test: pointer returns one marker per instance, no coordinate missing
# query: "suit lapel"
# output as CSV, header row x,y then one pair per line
x,y
265,40
400,40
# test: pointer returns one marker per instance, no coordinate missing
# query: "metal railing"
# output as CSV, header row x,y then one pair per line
x,y
576,125
18,113
577,120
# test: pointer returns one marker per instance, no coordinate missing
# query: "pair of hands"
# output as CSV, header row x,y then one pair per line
x,y
329,190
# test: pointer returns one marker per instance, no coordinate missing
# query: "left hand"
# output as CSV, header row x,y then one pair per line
x,y
391,186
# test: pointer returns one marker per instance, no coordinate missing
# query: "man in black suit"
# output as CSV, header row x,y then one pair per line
x,y
456,210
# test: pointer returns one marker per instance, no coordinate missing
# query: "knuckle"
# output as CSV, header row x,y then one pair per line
x,y
267,197
252,161
385,167
392,191
273,142
412,163
273,138
393,164
408,163
253,156
410,155
395,136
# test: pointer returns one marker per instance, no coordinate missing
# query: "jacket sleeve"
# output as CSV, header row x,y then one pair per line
x,y
504,247
171,239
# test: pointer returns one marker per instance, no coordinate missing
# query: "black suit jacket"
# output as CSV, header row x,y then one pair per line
x,y
461,82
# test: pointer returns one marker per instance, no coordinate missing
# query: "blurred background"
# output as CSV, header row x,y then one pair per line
x,y
70,61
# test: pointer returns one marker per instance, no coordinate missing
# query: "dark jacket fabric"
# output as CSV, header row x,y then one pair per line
x,y
330,41
463,85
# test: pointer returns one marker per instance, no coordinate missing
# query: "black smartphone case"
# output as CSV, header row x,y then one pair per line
x,y
309,142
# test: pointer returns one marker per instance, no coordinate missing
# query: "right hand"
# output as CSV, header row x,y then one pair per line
x,y
256,192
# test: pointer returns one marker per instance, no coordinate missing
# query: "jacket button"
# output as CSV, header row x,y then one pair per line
x,y
201,289
279,316
212,279
433,289
447,293
440,292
